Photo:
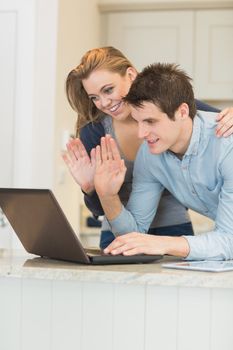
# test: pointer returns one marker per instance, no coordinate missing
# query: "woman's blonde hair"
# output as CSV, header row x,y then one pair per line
x,y
107,58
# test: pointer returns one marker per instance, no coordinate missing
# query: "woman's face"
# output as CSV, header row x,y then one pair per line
x,y
106,90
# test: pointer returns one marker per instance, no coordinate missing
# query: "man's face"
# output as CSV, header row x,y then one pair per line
x,y
160,132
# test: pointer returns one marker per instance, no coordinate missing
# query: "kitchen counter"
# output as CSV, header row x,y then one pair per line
x,y
21,264
54,305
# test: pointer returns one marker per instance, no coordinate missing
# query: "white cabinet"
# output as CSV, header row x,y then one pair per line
x,y
147,37
201,41
213,54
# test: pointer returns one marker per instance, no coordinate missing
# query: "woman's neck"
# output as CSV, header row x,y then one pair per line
x,y
127,121
126,132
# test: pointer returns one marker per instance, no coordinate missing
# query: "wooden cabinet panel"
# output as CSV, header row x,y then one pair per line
x,y
36,314
201,41
10,306
161,317
8,26
194,318
147,37
221,321
213,54
128,317
67,317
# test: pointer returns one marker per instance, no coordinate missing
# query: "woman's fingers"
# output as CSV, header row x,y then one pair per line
x,y
222,114
228,132
80,148
70,152
225,122
66,159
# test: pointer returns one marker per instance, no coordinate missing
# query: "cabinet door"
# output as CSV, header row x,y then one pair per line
x,y
7,93
214,52
148,37
16,106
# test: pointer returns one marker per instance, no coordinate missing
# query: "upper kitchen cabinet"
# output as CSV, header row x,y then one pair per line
x,y
200,40
213,54
147,37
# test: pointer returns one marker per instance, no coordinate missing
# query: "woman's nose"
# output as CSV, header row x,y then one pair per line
x,y
105,101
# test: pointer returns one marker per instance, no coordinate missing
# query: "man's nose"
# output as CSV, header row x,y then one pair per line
x,y
142,131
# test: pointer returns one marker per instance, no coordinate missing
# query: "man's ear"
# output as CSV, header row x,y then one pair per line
x,y
183,111
132,73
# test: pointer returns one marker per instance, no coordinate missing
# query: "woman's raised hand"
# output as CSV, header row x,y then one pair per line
x,y
80,165
225,122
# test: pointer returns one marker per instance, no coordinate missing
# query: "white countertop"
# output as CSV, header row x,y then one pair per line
x,y
20,264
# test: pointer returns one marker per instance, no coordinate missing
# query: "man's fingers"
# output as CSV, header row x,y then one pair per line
x,y
104,154
114,245
108,147
98,158
114,149
133,251
121,241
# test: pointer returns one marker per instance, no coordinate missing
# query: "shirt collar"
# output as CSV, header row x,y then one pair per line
x,y
195,138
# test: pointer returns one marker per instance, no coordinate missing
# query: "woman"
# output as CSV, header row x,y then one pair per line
x,y
94,90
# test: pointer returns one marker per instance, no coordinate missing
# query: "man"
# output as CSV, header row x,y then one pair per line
x,y
180,153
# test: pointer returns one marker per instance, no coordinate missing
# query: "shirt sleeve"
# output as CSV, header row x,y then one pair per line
x,y
218,244
143,202
90,136
201,106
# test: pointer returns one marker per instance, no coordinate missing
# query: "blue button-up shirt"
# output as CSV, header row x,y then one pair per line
x,y
202,180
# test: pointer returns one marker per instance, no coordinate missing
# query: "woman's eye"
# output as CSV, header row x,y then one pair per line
x,y
108,90
93,98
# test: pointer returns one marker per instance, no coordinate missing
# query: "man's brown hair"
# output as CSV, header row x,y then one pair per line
x,y
165,85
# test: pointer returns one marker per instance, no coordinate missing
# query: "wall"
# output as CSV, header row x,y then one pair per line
x,y
78,31
45,40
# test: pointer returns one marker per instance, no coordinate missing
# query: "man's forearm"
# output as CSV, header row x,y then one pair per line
x,y
212,245
111,205
177,246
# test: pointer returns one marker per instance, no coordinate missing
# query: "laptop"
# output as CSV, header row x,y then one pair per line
x,y
43,229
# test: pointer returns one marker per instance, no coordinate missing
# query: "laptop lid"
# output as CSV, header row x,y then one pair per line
x,y
43,229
